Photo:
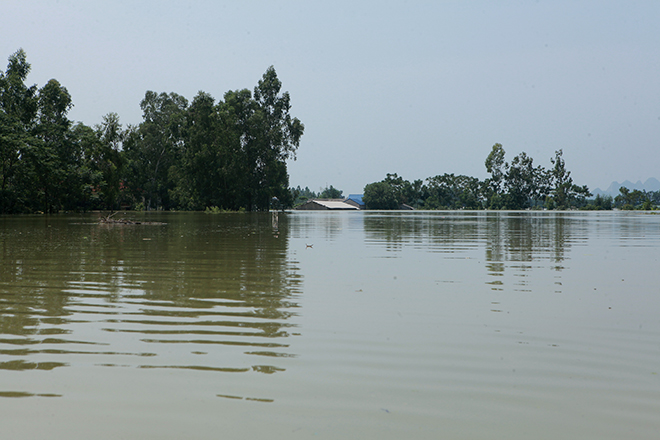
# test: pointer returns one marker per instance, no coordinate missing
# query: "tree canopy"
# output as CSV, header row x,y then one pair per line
x,y
512,185
229,154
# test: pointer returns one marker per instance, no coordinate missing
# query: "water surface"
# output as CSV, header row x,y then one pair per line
x,y
457,325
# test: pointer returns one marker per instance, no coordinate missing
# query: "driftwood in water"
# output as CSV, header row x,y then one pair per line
x,y
108,220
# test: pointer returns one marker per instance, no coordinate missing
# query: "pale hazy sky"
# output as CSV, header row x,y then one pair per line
x,y
417,88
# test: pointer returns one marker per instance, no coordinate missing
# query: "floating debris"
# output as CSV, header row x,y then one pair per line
x,y
108,220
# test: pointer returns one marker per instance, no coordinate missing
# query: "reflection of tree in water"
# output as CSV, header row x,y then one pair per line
x,y
330,222
214,280
523,240
35,264
436,232
528,236
237,260
513,240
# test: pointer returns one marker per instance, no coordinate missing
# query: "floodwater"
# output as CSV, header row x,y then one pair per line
x,y
365,325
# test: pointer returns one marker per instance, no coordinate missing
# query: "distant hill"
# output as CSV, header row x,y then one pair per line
x,y
651,184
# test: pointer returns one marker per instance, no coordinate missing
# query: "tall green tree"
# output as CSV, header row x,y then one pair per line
x,y
206,174
87,195
563,193
394,191
448,191
53,159
155,146
236,115
524,183
18,112
390,193
109,160
198,166
496,166
381,195
259,136
274,138
634,199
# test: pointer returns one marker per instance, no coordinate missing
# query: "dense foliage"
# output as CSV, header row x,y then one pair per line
x,y
225,155
300,195
515,185
229,154
636,199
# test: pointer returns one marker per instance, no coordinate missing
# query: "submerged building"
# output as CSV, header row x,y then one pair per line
x,y
356,200
328,205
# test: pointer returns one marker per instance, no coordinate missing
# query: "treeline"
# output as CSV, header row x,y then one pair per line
x,y
512,185
229,154
301,195
636,199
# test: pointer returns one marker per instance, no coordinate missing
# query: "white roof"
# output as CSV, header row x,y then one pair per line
x,y
335,204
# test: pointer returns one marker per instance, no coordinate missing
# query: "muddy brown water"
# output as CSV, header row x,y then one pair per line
x,y
383,325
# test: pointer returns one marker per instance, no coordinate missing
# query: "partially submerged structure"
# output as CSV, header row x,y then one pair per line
x,y
328,205
356,200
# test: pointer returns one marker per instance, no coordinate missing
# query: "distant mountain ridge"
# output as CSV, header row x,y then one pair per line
x,y
651,184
